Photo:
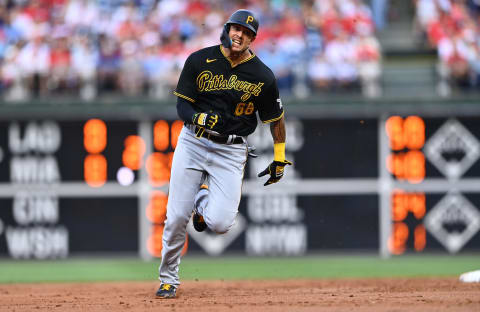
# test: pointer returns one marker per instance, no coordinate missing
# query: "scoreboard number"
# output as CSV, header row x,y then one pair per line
x,y
406,162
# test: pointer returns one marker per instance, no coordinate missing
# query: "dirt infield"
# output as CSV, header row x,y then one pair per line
x,y
435,294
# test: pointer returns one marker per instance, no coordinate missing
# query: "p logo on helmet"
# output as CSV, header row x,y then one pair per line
x,y
249,19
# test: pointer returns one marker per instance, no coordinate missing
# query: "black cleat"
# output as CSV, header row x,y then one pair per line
x,y
166,291
198,221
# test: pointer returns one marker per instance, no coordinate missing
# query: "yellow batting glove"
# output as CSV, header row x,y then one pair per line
x,y
207,120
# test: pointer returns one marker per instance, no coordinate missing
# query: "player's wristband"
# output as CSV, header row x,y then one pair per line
x,y
279,151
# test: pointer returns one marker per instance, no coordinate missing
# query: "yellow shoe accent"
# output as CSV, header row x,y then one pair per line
x,y
166,287
204,186
166,291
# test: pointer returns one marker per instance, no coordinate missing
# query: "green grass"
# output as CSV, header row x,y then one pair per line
x,y
228,268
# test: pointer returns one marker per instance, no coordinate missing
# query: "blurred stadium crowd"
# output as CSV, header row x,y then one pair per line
x,y
88,48
452,27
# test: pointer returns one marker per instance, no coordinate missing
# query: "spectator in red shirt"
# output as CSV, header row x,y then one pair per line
x,y
60,77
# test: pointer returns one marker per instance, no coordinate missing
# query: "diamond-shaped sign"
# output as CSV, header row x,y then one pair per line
x,y
453,221
215,244
452,149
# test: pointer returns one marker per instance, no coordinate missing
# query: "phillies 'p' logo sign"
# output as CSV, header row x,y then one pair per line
x,y
249,19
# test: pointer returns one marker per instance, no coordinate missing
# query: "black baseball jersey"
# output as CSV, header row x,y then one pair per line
x,y
211,84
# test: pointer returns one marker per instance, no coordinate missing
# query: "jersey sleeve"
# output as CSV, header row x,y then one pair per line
x,y
271,108
186,87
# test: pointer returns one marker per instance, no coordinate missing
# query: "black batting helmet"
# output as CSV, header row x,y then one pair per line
x,y
240,17
244,18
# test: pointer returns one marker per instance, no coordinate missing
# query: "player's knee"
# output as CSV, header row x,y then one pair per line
x,y
220,226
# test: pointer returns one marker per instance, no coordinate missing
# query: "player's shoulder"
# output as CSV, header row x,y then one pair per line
x,y
204,52
262,69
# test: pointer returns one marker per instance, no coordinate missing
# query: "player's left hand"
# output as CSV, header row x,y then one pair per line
x,y
275,170
209,121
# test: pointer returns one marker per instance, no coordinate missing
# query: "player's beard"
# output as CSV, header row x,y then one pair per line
x,y
235,54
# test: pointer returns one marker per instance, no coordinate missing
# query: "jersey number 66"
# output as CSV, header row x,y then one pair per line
x,y
244,109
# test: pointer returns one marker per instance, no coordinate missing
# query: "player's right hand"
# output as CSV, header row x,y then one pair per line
x,y
207,120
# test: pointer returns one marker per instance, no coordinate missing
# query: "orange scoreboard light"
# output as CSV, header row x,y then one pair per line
x,y
95,141
406,162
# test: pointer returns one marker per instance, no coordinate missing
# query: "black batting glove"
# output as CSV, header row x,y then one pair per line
x,y
275,170
207,120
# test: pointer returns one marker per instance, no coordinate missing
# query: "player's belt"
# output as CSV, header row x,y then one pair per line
x,y
230,139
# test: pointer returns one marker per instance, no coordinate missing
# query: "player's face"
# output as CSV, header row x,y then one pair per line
x,y
241,37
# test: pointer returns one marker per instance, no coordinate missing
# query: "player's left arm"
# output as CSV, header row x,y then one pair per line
x,y
277,128
276,168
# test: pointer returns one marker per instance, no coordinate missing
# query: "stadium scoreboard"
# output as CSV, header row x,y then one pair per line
x,y
97,185
435,169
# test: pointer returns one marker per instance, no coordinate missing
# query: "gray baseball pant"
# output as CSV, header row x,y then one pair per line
x,y
193,157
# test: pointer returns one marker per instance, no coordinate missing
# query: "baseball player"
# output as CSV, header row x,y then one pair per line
x,y
220,91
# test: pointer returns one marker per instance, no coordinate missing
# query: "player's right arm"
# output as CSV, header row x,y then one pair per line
x,y
186,93
185,110
186,86
188,114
